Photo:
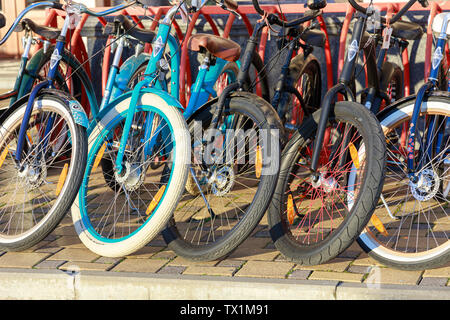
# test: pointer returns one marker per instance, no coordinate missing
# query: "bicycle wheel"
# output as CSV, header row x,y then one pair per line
x,y
71,76
410,227
36,195
307,80
118,219
312,222
392,83
235,179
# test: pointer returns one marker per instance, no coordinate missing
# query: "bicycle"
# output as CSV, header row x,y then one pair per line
x,y
228,192
129,134
333,169
411,232
42,153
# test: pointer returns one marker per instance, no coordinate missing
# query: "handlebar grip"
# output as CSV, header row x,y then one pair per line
x,y
231,4
58,6
257,7
424,3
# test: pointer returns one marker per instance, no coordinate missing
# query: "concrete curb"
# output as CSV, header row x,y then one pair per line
x,y
55,284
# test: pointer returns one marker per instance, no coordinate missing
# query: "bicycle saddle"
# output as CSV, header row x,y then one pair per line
x,y
407,30
131,28
2,20
315,38
219,47
45,32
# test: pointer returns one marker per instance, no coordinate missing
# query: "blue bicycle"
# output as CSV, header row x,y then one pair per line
x,y
412,224
42,152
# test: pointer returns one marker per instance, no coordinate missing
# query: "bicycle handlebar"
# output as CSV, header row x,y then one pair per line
x,y
273,19
44,4
397,16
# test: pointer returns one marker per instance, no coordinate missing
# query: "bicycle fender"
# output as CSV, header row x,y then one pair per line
x,y
64,96
163,96
128,68
78,113
298,64
394,106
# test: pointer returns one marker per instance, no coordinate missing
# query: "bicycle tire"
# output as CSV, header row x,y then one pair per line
x,y
265,117
308,82
58,103
93,227
292,243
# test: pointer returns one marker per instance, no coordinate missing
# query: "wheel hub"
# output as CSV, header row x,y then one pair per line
x,y
33,176
427,185
222,181
327,184
132,178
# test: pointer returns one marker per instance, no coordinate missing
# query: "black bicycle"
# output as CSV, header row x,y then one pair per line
x,y
333,168
225,200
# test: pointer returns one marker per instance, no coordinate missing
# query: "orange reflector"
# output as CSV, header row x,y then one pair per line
x,y
62,179
378,225
99,157
155,200
3,156
354,154
258,163
290,209
29,138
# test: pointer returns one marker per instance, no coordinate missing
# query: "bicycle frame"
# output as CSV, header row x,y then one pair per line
x,y
48,83
202,89
54,65
374,95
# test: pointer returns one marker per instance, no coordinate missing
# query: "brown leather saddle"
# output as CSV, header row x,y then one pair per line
x,y
219,47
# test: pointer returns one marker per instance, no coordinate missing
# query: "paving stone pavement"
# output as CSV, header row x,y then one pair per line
x,y
255,258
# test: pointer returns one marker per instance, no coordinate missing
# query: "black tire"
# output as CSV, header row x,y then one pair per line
x,y
264,117
307,80
356,219
68,190
392,82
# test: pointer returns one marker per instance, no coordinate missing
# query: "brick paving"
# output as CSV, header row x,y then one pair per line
x,y
255,258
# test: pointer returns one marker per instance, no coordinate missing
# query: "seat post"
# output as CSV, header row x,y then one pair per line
x,y
206,63
199,81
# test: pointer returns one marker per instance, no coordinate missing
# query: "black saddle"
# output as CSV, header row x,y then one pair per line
x,y
130,28
45,32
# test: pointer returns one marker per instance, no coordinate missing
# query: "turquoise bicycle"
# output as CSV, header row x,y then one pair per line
x,y
144,183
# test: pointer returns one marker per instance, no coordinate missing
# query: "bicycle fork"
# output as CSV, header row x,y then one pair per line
x,y
54,64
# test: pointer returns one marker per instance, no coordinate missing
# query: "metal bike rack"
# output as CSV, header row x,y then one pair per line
x,y
79,50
